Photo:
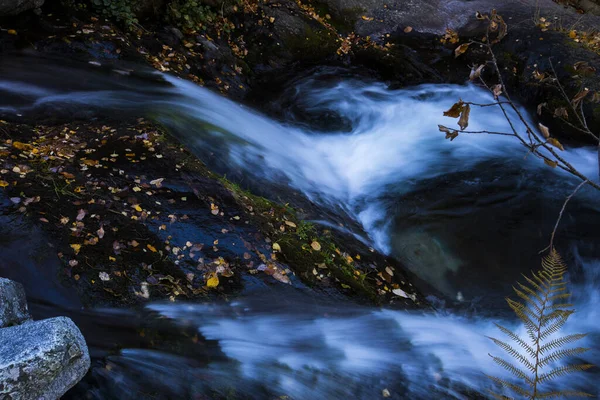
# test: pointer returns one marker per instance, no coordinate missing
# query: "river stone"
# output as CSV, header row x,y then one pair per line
x,y
41,359
13,7
13,304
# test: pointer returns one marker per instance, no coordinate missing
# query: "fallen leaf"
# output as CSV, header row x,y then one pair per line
x,y
3,184
81,215
408,29
76,248
276,247
137,208
151,248
100,232
73,263
104,276
316,246
561,112
290,224
157,182
11,32
212,280
540,107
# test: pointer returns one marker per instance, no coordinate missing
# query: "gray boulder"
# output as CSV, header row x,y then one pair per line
x,y
13,7
13,304
41,359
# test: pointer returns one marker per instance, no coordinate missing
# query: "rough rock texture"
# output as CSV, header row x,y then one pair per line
x,y
41,359
13,304
12,7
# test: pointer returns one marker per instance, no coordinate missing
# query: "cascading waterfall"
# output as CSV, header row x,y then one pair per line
x,y
384,162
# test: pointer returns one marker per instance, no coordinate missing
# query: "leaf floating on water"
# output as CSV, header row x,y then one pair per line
x,y
104,276
401,293
11,32
455,110
316,245
157,182
151,248
137,208
276,247
551,163
212,280
3,184
554,142
544,129
463,122
460,50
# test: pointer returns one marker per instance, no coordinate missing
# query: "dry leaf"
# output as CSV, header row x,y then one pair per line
x,y
540,107
476,72
580,96
137,208
100,232
497,91
551,163
276,247
455,110
463,122
151,248
316,246
81,215
460,50
554,142
450,133
104,276
76,248
561,112
545,131
11,32
408,29
157,182
3,184
290,224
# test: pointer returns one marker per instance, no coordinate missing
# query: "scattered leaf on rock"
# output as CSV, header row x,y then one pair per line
x,y
212,280
316,245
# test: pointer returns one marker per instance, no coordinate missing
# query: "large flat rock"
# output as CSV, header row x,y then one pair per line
x,y
41,359
13,7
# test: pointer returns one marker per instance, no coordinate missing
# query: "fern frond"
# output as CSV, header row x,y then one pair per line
x,y
530,350
525,315
512,369
564,370
556,325
532,283
514,353
531,293
553,316
559,342
559,306
511,386
541,282
528,298
559,296
499,396
559,354
560,394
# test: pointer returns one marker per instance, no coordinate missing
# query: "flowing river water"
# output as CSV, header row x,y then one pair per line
x,y
467,216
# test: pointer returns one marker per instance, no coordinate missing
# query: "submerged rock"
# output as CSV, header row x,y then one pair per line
x,y
13,7
13,304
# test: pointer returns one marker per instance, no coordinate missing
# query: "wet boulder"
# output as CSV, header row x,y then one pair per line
x,y
13,7
13,304
41,359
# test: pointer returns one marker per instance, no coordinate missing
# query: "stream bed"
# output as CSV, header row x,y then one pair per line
x,y
467,216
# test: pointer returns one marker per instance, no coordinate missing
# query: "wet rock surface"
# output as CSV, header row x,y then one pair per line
x,y
13,304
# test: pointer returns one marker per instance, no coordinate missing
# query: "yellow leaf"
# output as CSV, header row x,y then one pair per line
x,y
460,50
137,208
76,248
151,248
22,146
11,32
551,163
212,280
3,184
316,246
554,142
365,18
276,247
573,34
290,224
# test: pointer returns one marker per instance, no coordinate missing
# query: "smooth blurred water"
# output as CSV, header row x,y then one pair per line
x,y
468,216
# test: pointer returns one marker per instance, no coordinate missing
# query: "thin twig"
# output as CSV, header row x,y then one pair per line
x,y
562,210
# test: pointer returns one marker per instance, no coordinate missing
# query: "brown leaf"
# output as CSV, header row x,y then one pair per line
x,y
408,29
497,90
580,96
455,110
460,50
481,16
551,163
315,245
463,122
554,142
450,133
544,129
476,72
540,108
561,112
